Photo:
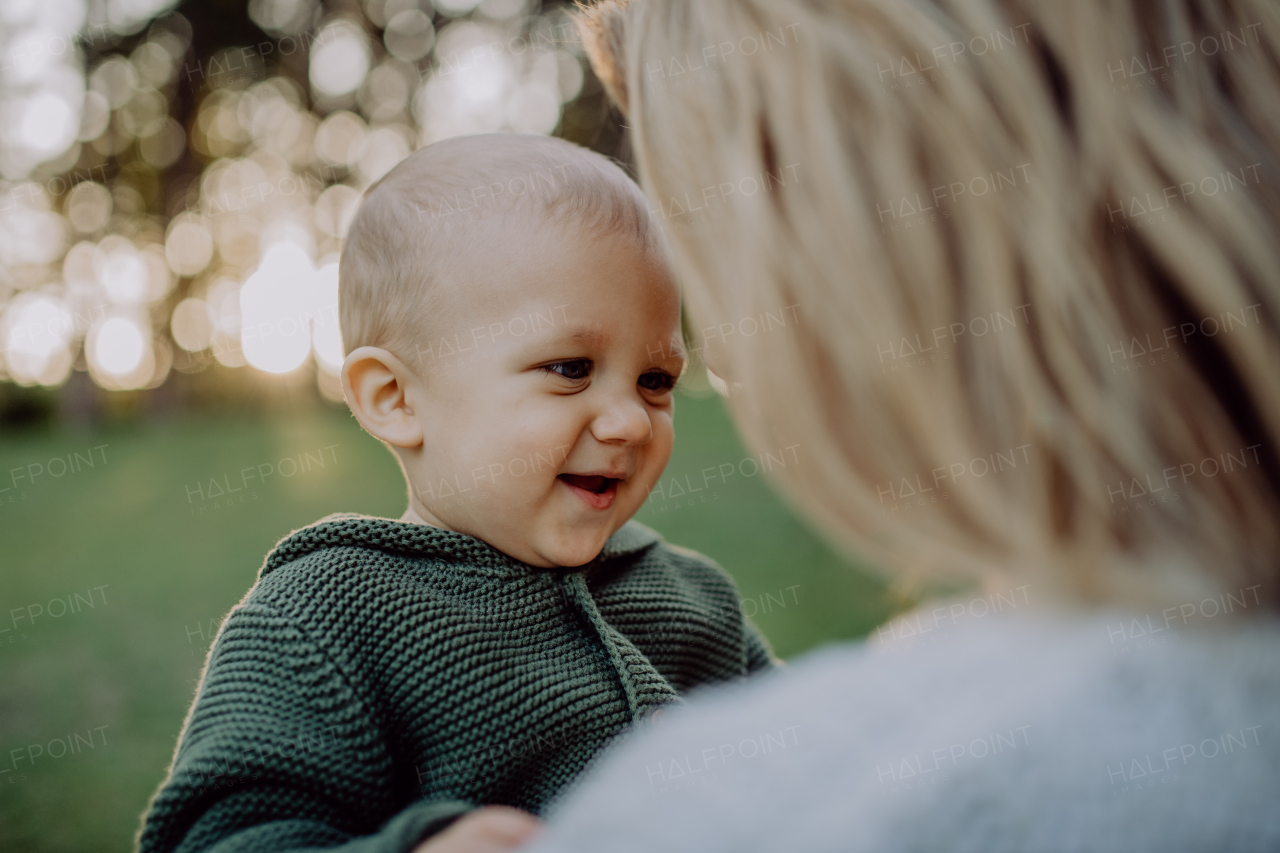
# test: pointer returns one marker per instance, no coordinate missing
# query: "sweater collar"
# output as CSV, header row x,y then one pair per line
x,y
420,540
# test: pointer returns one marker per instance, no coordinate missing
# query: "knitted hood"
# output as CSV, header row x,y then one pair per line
x,y
365,531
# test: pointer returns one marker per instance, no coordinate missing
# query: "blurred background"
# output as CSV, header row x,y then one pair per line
x,y
175,182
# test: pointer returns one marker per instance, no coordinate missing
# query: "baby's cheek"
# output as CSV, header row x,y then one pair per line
x,y
663,439
514,457
647,477
544,442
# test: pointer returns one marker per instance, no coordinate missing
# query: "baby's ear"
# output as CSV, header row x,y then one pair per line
x,y
602,27
375,384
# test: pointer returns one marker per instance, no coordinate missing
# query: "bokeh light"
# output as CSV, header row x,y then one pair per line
x,y
121,271
409,35
129,16
275,310
282,17
326,339
155,200
120,353
88,206
192,325
30,233
340,138
188,247
36,334
118,346
47,123
339,59
456,7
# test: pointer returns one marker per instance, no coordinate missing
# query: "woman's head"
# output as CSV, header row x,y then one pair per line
x,y
1033,251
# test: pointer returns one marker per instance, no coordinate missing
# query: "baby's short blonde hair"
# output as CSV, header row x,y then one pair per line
x,y
417,226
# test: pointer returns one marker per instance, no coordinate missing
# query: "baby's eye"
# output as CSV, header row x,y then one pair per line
x,y
657,380
576,369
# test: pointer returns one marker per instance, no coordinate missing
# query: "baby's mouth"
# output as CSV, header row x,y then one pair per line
x,y
592,483
598,492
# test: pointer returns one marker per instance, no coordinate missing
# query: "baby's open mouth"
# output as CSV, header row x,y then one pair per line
x,y
597,491
592,483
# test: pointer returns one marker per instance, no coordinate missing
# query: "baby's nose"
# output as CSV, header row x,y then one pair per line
x,y
623,422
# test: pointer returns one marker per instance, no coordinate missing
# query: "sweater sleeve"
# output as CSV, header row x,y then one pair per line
x,y
719,594
760,654
279,754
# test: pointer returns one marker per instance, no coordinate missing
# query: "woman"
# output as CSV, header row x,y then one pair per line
x,y
1096,182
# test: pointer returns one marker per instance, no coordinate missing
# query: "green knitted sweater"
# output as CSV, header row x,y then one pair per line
x,y
382,678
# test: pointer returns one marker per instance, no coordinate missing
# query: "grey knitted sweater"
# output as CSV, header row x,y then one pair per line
x,y
382,678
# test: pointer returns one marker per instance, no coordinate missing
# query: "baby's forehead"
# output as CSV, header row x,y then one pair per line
x,y
526,276
505,256
468,220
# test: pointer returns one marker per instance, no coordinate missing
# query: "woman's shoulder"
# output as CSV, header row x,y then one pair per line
x,y
1013,733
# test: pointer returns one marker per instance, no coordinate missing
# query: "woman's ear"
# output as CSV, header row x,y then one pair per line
x,y
375,383
601,26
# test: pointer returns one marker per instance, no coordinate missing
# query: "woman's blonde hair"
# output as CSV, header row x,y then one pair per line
x,y
1093,180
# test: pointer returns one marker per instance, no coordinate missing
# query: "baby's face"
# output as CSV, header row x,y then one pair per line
x,y
546,395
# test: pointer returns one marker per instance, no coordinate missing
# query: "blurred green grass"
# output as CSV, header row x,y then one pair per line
x,y
127,533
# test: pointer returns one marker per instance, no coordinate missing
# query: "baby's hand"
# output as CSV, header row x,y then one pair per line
x,y
493,829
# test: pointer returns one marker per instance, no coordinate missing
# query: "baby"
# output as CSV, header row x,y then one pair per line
x,y
513,334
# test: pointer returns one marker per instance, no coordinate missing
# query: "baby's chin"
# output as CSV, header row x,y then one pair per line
x,y
569,549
